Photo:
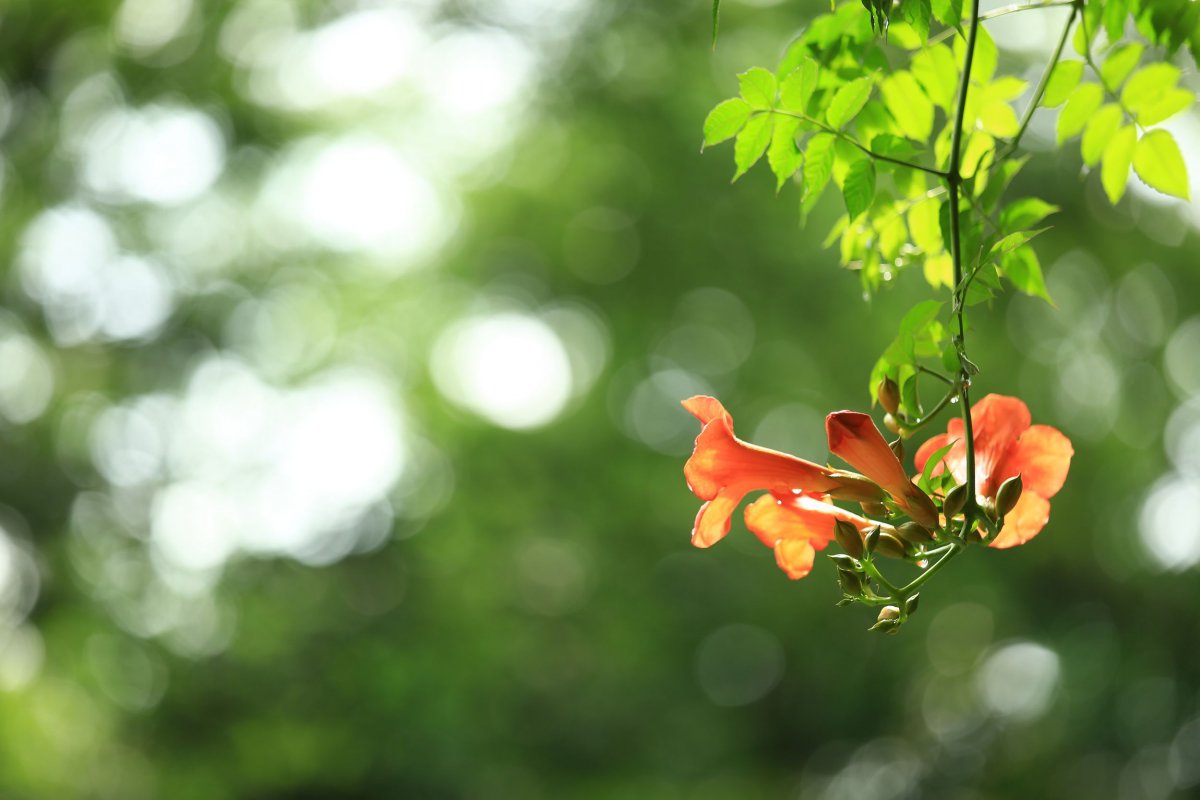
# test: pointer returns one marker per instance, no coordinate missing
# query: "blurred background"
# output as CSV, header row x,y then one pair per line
x,y
340,449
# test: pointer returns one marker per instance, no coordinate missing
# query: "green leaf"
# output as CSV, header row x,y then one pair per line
x,y
1167,105
797,88
1115,163
939,270
1099,132
947,12
999,119
858,189
1021,266
1158,162
716,21
724,121
932,462
917,13
1022,213
818,168
983,66
751,143
1115,12
923,224
1149,84
1119,63
908,104
1079,109
758,87
934,67
848,101
782,154
1063,80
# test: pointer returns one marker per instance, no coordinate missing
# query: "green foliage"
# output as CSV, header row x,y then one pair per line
x,y
1158,162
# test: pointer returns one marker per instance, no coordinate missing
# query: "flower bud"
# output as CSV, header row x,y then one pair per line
x,y
889,545
850,583
956,498
888,620
889,395
849,538
871,539
914,533
846,562
1008,495
852,486
875,510
891,423
898,448
911,604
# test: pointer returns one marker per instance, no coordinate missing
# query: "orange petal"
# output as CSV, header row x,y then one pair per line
x,y
799,517
706,409
1024,522
722,460
1042,456
854,438
997,421
795,557
712,521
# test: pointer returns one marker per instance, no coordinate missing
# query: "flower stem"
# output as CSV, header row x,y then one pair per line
x,y
953,549
954,179
1044,81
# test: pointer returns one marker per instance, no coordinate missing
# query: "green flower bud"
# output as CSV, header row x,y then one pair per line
x,y
850,583
898,448
888,620
914,533
912,603
889,395
847,562
891,423
890,545
871,539
956,498
875,510
849,538
1008,495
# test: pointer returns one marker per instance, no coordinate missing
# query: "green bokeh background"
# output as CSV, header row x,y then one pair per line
x,y
518,613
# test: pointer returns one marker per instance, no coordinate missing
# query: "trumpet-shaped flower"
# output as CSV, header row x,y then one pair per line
x,y
796,527
797,518
1006,445
854,438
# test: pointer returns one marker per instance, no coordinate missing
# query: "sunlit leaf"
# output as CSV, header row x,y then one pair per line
x,y
1099,132
782,154
934,67
848,101
1079,109
797,88
1021,266
751,143
1022,213
947,12
917,13
1165,106
858,188
1119,63
724,121
1148,85
758,87
908,104
1158,162
1115,163
818,168
1063,80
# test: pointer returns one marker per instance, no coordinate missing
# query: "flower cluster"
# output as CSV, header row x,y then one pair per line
x,y
1018,467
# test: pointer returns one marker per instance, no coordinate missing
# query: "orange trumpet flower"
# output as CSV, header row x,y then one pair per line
x,y
1006,445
